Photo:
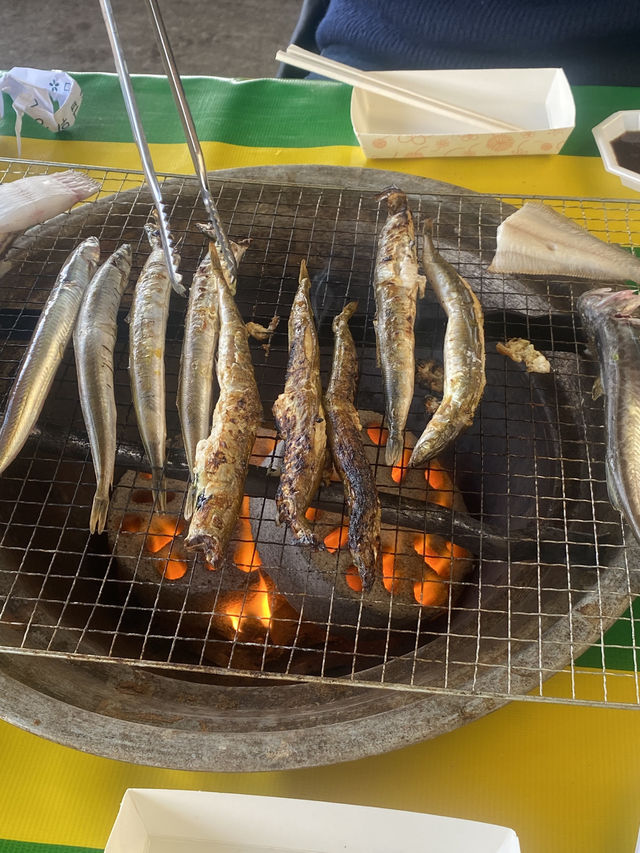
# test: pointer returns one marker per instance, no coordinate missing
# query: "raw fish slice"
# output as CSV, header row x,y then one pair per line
x,y
538,240
29,201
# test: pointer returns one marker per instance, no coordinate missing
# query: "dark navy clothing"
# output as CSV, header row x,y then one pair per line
x,y
596,41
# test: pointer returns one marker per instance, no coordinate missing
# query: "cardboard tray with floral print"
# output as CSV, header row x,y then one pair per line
x,y
537,101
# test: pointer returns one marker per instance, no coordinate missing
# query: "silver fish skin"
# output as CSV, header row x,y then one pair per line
x,y
94,339
463,354
197,360
397,284
147,331
45,351
614,333
222,459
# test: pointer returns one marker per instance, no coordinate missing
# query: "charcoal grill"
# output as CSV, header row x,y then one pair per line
x,y
136,666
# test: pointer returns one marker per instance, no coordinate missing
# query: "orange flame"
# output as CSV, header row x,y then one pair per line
x,y
378,434
162,530
311,514
175,569
399,472
255,605
245,554
353,579
336,539
439,553
430,593
263,446
437,477
389,580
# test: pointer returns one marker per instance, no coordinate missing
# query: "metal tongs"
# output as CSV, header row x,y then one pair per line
x,y
221,240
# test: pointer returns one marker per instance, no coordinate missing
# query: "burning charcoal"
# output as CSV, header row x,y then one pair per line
x,y
420,572
163,577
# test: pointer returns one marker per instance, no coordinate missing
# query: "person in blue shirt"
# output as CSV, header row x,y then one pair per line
x,y
596,42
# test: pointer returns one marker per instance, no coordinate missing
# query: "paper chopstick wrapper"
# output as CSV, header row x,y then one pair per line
x,y
34,92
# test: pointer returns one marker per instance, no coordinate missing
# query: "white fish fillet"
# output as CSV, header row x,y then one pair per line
x,y
29,201
537,240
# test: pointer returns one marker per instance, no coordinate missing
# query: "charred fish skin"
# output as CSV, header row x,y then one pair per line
x,y
147,331
94,340
222,459
46,349
197,360
344,430
607,317
397,284
463,355
300,419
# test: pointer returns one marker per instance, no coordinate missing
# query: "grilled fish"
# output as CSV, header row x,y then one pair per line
x,y
536,239
344,431
46,348
463,357
147,331
300,419
195,382
94,339
614,332
222,459
397,285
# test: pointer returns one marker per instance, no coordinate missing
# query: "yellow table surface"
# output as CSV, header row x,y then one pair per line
x,y
564,777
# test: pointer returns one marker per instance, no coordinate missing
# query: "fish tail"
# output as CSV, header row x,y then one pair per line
x,y
159,486
189,501
303,534
394,447
364,564
99,511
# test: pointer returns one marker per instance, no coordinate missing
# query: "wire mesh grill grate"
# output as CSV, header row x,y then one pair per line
x,y
553,567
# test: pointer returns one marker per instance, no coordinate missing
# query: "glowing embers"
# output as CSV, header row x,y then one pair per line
x,y
160,534
325,585
443,560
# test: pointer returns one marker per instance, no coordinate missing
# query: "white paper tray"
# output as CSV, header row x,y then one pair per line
x,y
538,100
167,821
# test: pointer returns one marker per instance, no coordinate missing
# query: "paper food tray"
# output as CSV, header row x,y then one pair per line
x,y
167,821
538,100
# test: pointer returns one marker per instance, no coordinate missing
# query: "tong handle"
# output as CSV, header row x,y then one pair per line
x,y
227,258
141,142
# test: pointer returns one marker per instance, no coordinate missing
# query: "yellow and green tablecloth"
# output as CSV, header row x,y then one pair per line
x,y
565,777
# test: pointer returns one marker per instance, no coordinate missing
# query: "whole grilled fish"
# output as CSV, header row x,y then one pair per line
x,y
195,381
147,331
94,339
397,285
607,316
300,419
46,348
463,356
344,431
222,459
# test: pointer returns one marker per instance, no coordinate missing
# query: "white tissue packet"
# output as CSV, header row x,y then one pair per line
x,y
36,93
